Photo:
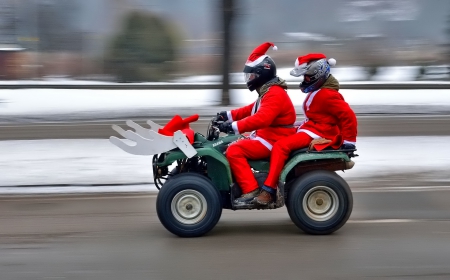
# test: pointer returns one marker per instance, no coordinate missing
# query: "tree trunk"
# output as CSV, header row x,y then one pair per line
x,y
228,10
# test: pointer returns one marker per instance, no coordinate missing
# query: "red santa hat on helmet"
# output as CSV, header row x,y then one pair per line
x,y
302,62
259,53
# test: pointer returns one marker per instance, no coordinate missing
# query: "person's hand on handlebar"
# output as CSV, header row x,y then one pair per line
x,y
222,116
226,127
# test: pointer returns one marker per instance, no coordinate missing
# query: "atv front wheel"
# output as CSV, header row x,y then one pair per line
x,y
189,205
320,202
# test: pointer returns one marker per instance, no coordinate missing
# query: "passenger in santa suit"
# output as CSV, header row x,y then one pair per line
x,y
269,118
330,122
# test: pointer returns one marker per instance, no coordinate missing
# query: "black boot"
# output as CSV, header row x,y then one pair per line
x,y
266,196
247,198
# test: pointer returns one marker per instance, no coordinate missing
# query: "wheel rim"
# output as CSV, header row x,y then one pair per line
x,y
320,203
189,207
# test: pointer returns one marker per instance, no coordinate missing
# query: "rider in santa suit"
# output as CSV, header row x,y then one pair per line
x,y
329,119
269,119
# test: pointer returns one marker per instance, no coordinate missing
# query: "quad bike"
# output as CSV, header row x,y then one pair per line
x,y
195,182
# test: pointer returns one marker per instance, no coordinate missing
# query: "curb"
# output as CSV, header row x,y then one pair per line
x,y
77,189
207,113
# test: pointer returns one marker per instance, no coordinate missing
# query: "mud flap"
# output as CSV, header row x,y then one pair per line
x,y
280,195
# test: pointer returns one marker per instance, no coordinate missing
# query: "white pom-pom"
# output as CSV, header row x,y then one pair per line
x,y
274,48
332,61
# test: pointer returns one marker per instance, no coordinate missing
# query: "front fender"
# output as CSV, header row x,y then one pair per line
x,y
218,167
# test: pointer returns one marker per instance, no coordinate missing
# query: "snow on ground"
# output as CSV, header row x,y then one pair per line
x,y
35,103
343,74
404,73
54,101
89,161
86,162
30,102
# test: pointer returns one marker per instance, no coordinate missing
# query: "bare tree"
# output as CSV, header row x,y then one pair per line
x,y
228,9
7,22
447,49
55,31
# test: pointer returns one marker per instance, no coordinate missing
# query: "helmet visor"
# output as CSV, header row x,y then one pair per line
x,y
297,72
250,76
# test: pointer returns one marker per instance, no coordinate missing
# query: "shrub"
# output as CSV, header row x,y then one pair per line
x,y
144,49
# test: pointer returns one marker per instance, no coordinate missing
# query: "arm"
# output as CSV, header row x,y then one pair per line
x,y
269,109
345,116
240,113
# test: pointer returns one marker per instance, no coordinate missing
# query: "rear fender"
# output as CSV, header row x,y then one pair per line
x,y
308,161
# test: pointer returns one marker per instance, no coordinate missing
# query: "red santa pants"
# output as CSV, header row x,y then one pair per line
x,y
280,153
238,154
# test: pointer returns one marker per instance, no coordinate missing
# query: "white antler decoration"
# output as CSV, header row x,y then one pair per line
x,y
150,142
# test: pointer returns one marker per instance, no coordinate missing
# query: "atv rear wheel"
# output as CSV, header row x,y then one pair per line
x,y
320,202
189,205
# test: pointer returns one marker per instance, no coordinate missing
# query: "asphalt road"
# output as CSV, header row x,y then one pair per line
x,y
368,125
399,228
391,235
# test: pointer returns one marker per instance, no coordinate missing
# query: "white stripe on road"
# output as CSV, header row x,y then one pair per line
x,y
27,190
151,189
383,221
402,189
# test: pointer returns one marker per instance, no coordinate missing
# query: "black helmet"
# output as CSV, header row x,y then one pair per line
x,y
260,74
259,68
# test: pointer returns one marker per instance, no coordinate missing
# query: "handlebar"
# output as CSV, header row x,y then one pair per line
x,y
213,130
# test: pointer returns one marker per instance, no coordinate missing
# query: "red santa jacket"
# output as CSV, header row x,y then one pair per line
x,y
329,116
269,118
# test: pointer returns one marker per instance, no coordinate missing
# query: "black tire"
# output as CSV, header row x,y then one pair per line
x,y
189,190
330,202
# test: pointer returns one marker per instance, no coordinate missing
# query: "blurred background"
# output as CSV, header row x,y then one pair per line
x,y
156,40
74,206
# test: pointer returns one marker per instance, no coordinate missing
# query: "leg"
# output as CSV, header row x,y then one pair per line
x,y
280,153
237,155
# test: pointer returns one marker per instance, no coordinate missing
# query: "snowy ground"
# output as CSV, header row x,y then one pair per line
x,y
97,162
69,104
76,163
343,74
352,73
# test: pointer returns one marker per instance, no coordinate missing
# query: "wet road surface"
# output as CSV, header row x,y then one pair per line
x,y
368,125
399,228
391,234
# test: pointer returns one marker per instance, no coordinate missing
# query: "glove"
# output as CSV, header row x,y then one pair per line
x,y
222,116
348,146
226,127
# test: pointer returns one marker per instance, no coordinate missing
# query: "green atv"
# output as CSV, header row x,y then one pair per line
x,y
196,183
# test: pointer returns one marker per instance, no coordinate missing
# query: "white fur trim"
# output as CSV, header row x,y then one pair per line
x,y
256,62
332,61
312,134
310,99
235,127
299,123
349,142
230,118
301,66
262,140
